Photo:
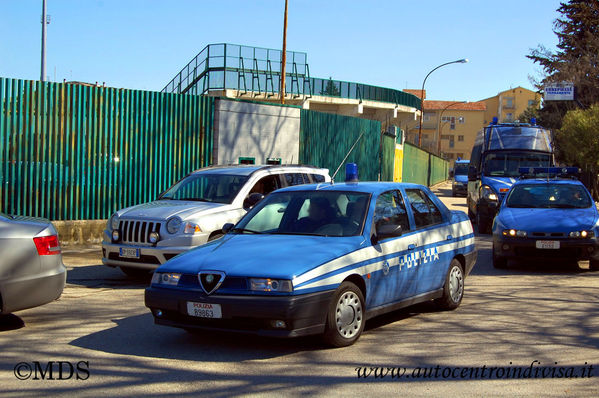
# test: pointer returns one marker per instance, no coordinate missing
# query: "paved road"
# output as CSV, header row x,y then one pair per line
x,y
508,319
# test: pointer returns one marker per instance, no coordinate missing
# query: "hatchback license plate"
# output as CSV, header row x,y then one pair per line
x,y
129,252
547,244
204,310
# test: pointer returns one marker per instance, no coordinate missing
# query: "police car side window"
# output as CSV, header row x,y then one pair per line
x,y
425,211
390,209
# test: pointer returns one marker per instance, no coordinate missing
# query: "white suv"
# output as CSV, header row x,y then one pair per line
x,y
192,212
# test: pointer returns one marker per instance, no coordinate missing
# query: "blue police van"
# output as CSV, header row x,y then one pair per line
x,y
459,183
547,215
499,150
320,259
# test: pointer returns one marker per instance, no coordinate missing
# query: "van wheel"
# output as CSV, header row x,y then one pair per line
x,y
594,265
483,224
453,290
345,319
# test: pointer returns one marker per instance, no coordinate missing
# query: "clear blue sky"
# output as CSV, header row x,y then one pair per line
x,y
392,43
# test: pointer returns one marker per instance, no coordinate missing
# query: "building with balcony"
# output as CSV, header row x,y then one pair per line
x,y
508,105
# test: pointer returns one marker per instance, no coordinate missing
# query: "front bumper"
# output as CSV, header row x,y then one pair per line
x,y
459,188
575,249
150,257
303,314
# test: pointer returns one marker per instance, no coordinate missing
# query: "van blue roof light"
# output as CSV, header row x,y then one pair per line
x,y
351,172
549,171
533,121
495,120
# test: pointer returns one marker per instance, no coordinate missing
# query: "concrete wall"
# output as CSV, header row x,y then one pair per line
x,y
261,131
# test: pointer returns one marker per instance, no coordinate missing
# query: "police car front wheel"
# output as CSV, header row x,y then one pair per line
x,y
453,290
345,319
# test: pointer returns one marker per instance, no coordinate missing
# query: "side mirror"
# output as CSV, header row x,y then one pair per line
x,y
386,231
472,173
252,199
227,228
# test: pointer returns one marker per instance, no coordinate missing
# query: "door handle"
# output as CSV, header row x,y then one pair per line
x,y
411,246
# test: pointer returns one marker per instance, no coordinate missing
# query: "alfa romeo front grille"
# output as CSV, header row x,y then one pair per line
x,y
137,231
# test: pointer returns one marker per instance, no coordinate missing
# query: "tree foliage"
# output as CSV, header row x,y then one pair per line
x,y
578,139
576,58
331,89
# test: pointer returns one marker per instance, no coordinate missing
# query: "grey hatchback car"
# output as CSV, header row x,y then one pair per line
x,y
31,268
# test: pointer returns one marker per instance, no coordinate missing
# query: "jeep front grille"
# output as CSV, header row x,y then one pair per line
x,y
137,231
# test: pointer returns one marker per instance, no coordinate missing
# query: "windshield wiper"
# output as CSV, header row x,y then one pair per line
x,y
563,206
246,230
196,199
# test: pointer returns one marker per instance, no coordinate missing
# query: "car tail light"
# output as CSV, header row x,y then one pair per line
x,y
47,245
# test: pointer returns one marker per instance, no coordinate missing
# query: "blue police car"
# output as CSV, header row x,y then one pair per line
x,y
549,217
320,259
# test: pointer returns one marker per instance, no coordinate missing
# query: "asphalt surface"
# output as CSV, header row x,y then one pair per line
x,y
508,319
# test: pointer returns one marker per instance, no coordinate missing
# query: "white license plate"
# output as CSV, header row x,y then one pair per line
x,y
547,244
204,310
129,252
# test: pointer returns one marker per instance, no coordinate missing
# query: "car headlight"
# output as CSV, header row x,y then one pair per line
x,y
488,193
114,222
191,228
271,285
165,278
582,234
514,233
173,225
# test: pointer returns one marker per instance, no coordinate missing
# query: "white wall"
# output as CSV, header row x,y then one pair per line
x,y
243,129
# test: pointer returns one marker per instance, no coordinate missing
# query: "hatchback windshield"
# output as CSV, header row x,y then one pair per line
x,y
217,188
567,196
308,213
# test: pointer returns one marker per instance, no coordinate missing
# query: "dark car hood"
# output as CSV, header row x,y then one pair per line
x,y
275,256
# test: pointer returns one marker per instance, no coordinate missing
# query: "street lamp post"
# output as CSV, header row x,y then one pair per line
x,y
439,124
459,61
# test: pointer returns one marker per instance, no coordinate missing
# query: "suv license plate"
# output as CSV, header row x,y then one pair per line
x,y
129,252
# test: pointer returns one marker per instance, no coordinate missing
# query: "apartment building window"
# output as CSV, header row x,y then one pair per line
x,y
460,138
531,102
428,116
450,155
450,120
444,136
509,102
461,120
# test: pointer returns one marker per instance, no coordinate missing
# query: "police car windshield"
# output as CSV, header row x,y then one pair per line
x,y
204,187
330,213
502,164
564,196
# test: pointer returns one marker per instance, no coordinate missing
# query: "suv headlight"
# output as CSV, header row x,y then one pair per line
x,y
165,278
271,285
114,222
191,228
486,192
513,233
173,225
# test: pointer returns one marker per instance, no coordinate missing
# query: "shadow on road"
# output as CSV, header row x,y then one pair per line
x,y
10,322
96,276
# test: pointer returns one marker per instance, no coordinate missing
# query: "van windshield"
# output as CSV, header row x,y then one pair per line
x,y
506,164
461,169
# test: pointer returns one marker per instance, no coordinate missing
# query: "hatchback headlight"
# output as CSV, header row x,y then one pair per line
x,y
514,233
271,285
114,222
165,278
173,225
582,234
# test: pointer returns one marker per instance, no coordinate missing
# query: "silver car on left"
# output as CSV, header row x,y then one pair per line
x,y
31,269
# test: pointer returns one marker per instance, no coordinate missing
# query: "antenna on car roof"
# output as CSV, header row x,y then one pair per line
x,y
345,158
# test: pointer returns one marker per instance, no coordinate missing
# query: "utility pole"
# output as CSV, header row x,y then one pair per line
x,y
43,72
284,55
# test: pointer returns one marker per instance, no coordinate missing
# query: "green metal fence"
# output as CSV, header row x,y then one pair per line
x,y
326,138
422,167
388,157
82,152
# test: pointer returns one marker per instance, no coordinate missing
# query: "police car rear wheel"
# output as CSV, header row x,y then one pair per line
x,y
345,319
453,291
594,265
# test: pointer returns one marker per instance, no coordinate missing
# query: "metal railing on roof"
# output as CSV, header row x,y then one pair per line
x,y
256,71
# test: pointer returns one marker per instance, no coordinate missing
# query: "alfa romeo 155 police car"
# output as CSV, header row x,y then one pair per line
x,y
552,218
320,259
191,212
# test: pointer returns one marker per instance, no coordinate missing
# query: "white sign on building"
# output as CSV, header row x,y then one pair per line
x,y
563,91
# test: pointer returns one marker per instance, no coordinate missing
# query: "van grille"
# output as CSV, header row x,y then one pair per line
x,y
137,231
